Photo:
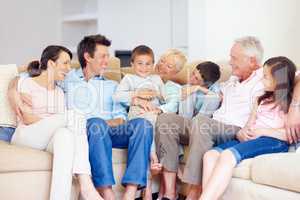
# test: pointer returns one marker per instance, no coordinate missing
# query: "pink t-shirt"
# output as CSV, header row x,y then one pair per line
x,y
269,116
44,102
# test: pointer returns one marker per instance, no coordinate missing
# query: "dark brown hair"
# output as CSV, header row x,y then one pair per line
x,y
51,52
88,44
142,50
209,71
283,72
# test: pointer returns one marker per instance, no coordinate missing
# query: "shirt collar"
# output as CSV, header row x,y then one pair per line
x,y
253,74
79,73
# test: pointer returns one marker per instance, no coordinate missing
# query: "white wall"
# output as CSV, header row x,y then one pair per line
x,y
156,23
26,27
275,22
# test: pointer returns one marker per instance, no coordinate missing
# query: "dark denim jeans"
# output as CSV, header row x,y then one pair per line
x,y
6,133
253,148
136,135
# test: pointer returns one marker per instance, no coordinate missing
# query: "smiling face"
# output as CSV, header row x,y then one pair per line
x,y
242,64
61,66
143,65
166,67
98,63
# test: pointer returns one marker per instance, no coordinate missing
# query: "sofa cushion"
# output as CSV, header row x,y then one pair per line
x,y
243,170
241,189
16,158
20,159
279,170
7,116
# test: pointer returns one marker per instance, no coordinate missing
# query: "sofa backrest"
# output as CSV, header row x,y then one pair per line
x,y
8,72
113,72
184,74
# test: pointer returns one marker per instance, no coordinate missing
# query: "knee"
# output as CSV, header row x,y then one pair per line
x,y
141,123
227,157
64,137
143,127
210,156
96,127
165,118
166,127
200,132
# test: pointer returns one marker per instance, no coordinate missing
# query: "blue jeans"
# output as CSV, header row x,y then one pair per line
x,y
253,148
6,133
135,135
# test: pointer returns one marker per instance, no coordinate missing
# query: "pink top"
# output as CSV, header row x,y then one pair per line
x,y
44,102
268,116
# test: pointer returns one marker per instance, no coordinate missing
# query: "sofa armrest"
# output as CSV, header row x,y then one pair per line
x,y
278,170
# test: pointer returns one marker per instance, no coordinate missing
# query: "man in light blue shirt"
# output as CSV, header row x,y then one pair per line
x,y
90,93
93,97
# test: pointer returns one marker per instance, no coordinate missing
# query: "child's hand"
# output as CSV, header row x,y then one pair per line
x,y
146,106
187,91
146,94
244,135
155,166
256,133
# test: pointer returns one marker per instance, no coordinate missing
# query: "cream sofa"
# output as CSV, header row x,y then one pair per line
x,y
26,173
267,177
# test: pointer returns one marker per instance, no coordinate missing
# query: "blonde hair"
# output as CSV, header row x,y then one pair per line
x,y
252,47
179,58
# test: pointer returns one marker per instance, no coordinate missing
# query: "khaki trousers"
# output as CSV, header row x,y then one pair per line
x,y
200,134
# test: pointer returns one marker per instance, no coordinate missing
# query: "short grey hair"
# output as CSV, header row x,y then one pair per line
x,y
252,47
179,58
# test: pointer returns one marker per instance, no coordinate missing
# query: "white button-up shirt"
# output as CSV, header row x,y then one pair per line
x,y
238,98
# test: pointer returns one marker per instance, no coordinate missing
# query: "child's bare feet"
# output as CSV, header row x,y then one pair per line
x,y
155,166
87,189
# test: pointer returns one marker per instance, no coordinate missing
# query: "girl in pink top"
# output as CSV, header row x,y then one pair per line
x,y
46,125
264,132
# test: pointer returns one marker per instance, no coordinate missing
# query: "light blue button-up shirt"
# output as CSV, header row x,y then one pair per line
x,y
172,97
93,98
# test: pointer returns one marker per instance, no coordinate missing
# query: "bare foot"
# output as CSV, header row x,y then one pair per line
x,y
194,193
87,189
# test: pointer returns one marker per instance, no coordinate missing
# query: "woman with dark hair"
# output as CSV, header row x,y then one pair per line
x,y
47,125
264,132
